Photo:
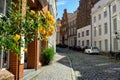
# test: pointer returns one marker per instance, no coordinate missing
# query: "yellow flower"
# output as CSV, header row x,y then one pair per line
x,y
50,32
50,17
47,13
32,12
25,49
53,21
48,23
45,38
52,28
16,37
42,30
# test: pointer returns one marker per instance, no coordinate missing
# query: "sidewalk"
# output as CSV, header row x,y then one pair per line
x,y
60,69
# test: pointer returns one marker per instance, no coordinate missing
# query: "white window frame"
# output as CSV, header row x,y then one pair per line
x,y
105,28
114,7
105,13
114,25
100,30
106,44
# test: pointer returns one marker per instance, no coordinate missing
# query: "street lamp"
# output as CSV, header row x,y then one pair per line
x,y
117,35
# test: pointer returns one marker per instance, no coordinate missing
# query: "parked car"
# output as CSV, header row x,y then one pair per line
x,y
72,47
61,45
83,48
91,50
78,48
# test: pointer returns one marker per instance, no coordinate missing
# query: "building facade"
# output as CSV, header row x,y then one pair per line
x,y
72,29
84,36
64,28
84,11
53,10
9,61
58,31
105,25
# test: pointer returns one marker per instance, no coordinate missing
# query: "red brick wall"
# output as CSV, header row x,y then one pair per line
x,y
21,70
15,67
13,64
84,11
33,54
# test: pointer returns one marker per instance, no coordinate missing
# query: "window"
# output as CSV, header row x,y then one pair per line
x,y
78,35
99,16
4,59
100,31
82,34
79,43
105,14
87,43
106,44
82,43
94,31
114,24
100,45
74,30
87,32
2,6
114,8
69,32
95,44
94,18
115,44
105,28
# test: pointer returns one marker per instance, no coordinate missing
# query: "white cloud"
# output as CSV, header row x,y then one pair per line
x,y
59,3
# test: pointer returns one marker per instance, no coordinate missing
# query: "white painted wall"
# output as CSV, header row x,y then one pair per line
x,y
52,8
99,8
84,29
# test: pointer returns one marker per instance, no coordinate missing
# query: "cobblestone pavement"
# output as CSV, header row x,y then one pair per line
x,y
59,70
94,67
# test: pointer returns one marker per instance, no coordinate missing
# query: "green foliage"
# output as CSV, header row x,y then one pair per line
x,y
48,55
16,23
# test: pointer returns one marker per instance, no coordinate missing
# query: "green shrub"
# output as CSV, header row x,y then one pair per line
x,y
48,55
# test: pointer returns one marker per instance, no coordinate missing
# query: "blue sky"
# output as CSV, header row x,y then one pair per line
x,y
70,5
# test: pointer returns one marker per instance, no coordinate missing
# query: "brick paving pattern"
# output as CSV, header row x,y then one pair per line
x,y
59,70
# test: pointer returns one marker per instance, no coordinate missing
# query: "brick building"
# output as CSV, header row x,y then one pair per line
x,y
33,59
84,11
72,29
58,31
64,28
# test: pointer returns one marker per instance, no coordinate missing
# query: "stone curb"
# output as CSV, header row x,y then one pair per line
x,y
31,75
72,71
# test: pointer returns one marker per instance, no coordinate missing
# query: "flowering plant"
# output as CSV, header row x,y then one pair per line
x,y
15,25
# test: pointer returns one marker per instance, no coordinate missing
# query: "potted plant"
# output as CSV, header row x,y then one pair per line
x,y
48,56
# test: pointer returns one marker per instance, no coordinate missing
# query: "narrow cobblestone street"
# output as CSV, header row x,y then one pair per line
x,y
71,65
94,67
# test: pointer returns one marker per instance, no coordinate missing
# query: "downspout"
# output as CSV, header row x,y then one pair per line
x,y
91,31
110,28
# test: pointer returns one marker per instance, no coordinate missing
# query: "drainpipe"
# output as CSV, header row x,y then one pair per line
x,y
110,28
91,30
